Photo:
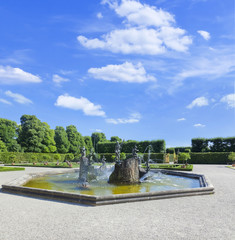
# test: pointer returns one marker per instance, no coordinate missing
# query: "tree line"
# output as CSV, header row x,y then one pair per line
x,y
32,135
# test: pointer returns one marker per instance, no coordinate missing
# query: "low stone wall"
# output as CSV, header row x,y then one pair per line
x,y
17,188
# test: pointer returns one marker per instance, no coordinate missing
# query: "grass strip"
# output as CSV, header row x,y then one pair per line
x,y
6,169
50,165
177,167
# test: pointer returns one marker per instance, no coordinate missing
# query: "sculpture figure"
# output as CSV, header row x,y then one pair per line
x,y
117,151
83,152
134,151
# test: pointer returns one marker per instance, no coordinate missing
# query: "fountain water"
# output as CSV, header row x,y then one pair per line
x,y
98,186
149,147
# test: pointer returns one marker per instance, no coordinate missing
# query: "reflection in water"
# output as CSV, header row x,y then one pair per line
x,y
99,186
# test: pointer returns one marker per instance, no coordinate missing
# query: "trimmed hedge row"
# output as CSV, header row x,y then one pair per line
x,y
218,144
209,158
109,147
111,156
18,157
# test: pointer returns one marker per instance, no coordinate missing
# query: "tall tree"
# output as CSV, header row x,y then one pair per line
x,y
9,134
3,147
75,139
61,139
88,143
31,134
115,139
49,145
36,136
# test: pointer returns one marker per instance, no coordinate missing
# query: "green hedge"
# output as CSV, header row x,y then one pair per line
x,y
218,144
154,156
158,146
18,157
209,158
111,156
182,149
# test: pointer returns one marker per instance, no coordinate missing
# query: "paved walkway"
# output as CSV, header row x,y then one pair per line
x,y
198,217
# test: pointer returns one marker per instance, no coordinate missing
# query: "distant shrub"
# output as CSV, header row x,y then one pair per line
x,y
209,158
183,157
231,157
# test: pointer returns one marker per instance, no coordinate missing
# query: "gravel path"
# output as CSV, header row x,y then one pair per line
x,y
198,217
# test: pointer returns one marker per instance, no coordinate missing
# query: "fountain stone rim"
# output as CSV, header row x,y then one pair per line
x,y
16,187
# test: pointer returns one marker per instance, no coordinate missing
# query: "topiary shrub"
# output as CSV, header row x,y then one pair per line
x,y
231,157
183,157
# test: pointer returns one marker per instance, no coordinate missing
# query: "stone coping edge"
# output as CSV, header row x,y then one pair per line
x,y
17,188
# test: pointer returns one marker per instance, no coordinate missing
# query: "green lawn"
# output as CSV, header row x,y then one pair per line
x,y
178,167
51,165
5,169
230,167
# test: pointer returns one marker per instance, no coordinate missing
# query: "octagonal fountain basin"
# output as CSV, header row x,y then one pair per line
x,y
63,185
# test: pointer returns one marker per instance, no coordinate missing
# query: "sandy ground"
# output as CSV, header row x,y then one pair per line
x,y
198,217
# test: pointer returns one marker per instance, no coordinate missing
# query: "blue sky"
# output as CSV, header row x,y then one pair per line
x,y
141,70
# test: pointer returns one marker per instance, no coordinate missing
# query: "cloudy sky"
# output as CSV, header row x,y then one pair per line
x,y
142,70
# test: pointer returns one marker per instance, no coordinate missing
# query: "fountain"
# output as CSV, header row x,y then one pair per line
x,y
128,170
125,182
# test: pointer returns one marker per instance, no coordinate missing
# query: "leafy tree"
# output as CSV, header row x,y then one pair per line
x,y
31,134
183,157
88,143
9,134
49,145
35,136
69,157
231,157
97,137
61,140
75,139
115,139
3,147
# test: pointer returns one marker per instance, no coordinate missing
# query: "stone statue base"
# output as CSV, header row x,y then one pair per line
x,y
126,171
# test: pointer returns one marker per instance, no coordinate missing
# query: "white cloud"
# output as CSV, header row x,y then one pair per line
x,y
143,14
58,79
126,72
198,102
229,99
10,76
99,15
199,125
88,108
203,67
96,130
205,64
134,118
147,30
204,34
181,119
5,101
18,97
